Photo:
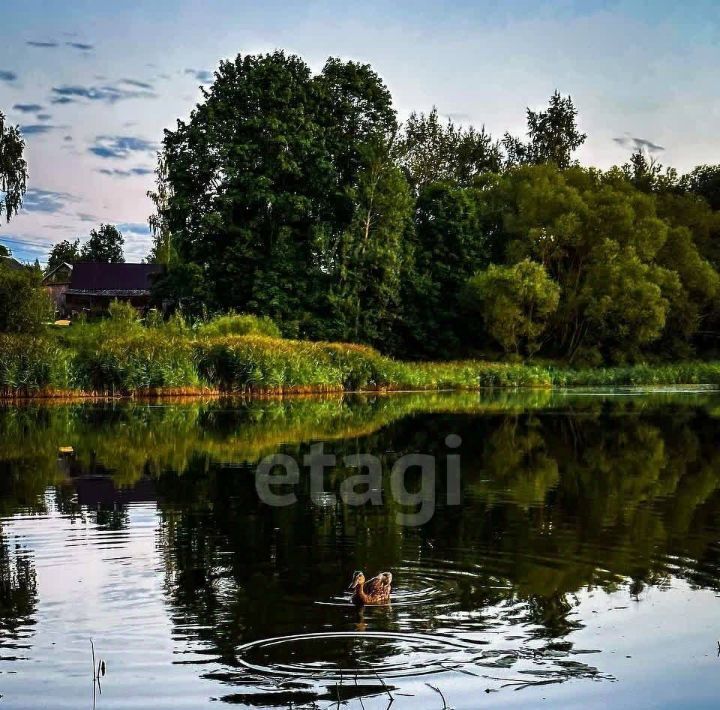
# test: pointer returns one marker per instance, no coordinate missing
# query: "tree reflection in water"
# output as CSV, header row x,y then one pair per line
x,y
561,494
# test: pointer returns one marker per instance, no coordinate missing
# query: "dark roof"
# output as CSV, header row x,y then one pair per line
x,y
12,263
92,276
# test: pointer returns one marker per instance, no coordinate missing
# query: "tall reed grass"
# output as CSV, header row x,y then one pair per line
x,y
121,356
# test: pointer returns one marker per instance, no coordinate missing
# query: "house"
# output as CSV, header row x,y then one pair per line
x,y
56,284
94,286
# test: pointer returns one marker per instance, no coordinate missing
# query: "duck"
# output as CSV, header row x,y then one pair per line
x,y
373,591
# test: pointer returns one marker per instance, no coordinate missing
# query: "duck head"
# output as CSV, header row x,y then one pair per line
x,y
357,581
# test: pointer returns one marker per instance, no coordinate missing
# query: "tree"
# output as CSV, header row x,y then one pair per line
x,y
431,151
162,251
4,251
64,252
515,303
647,174
627,301
105,245
364,295
704,181
553,136
265,186
601,239
13,169
245,178
24,305
448,245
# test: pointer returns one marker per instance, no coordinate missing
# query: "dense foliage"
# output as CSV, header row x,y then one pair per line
x,y
299,197
24,305
122,355
105,244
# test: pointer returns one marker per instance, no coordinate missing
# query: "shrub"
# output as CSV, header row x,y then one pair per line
x,y
239,324
24,305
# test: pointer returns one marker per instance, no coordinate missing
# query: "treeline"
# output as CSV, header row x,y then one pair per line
x,y
105,244
301,197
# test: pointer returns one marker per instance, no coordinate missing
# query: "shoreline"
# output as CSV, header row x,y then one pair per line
x,y
170,394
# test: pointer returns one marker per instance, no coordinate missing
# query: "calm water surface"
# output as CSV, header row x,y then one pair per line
x,y
581,568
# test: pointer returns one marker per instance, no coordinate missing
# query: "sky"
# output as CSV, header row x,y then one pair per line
x,y
94,84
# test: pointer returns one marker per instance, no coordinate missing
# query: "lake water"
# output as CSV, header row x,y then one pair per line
x,y
580,566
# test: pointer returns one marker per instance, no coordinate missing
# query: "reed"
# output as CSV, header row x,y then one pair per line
x,y
123,357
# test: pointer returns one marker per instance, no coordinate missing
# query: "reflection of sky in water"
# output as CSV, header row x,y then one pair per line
x,y
110,585
151,539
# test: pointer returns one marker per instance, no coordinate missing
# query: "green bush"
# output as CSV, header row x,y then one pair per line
x,y
239,324
24,305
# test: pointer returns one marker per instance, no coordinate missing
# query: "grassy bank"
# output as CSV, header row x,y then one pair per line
x,y
126,358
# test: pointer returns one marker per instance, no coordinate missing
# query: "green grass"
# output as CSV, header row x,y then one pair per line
x,y
239,354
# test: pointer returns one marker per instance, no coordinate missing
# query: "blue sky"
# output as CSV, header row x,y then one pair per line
x,y
95,83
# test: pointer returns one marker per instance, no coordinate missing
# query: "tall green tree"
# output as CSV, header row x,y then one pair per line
x,y
245,179
368,209
448,244
64,252
553,135
432,151
364,294
13,169
264,189
162,251
105,245
704,181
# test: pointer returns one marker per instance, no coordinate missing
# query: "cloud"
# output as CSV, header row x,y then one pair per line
x,y
44,45
46,201
138,229
460,117
136,82
131,172
43,116
121,146
8,76
63,100
28,108
37,129
640,144
107,94
201,75
82,47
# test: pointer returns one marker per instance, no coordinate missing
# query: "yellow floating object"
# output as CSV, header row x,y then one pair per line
x,y
66,450
62,323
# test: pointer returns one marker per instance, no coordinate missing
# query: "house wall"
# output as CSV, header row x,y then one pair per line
x,y
57,295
